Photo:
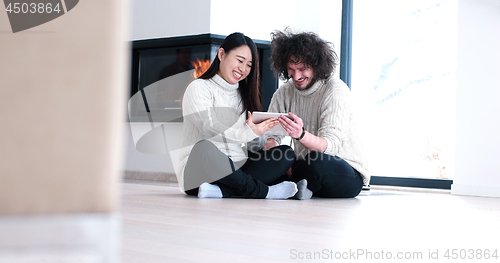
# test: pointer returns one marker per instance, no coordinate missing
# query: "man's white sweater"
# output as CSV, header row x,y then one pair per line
x,y
326,111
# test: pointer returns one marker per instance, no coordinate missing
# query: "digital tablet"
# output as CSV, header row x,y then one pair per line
x,y
259,117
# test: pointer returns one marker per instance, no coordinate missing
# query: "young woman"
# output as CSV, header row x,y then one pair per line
x,y
218,121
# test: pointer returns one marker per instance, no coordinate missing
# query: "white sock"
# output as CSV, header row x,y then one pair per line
x,y
303,193
282,190
207,190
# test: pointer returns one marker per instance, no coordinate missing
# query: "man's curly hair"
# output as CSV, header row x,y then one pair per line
x,y
306,47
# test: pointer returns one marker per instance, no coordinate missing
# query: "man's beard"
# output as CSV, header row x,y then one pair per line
x,y
313,80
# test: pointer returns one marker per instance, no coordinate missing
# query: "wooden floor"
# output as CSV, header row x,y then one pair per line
x,y
161,224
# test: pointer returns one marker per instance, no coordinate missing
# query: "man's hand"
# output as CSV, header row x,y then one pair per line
x,y
260,128
288,173
293,127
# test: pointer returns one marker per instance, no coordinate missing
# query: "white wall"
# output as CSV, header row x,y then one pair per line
x,y
257,19
167,18
478,83
261,17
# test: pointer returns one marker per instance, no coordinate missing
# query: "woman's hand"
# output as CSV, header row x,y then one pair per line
x,y
260,128
293,127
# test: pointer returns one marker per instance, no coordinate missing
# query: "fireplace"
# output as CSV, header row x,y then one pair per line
x,y
163,68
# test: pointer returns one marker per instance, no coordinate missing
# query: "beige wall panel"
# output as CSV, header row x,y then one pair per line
x,y
64,89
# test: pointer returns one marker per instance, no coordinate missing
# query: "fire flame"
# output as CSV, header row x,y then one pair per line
x,y
200,66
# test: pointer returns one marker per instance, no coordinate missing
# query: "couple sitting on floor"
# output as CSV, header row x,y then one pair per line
x,y
327,159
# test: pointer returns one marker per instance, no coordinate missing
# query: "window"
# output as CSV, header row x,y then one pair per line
x,y
403,73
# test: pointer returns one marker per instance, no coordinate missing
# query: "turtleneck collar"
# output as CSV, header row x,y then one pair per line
x,y
224,84
310,90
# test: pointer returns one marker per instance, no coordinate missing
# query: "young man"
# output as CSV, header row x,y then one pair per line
x,y
329,154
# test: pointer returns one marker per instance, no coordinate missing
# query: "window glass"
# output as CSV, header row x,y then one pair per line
x,y
404,76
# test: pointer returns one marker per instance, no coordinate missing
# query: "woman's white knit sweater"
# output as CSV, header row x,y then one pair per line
x,y
212,110
325,109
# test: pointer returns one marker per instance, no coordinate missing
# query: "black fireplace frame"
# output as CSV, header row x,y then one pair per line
x,y
269,82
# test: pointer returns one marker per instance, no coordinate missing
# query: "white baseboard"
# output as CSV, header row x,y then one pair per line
x,y
475,190
60,238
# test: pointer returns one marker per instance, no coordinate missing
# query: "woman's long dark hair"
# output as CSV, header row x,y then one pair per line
x,y
249,88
